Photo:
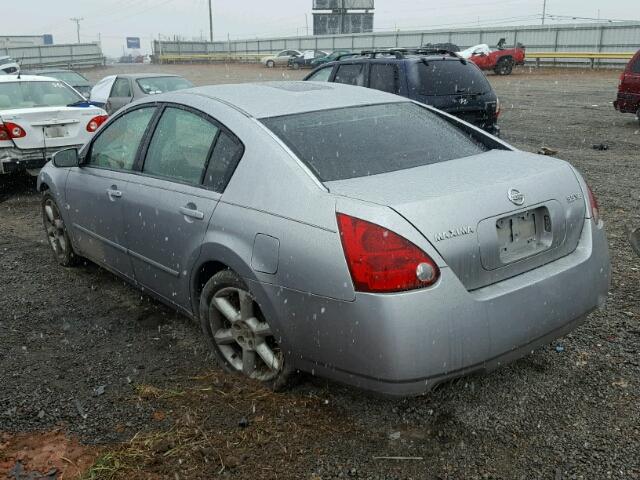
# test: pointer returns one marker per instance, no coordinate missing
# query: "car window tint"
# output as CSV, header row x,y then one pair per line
x,y
635,68
180,146
446,77
384,77
117,145
321,75
223,162
121,88
351,74
355,142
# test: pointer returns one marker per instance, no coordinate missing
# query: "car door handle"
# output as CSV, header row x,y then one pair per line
x,y
190,211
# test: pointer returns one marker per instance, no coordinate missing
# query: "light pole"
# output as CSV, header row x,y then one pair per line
x,y
210,22
77,20
544,10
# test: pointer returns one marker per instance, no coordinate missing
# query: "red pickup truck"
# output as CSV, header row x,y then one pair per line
x,y
500,60
628,100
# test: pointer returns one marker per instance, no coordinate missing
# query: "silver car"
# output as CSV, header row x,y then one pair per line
x,y
333,229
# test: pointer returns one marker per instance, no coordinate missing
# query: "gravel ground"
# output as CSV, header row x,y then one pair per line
x,y
83,353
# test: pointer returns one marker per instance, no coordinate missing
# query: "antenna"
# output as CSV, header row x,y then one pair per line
x,y
77,20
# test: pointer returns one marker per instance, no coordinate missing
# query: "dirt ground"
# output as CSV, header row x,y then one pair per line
x,y
123,387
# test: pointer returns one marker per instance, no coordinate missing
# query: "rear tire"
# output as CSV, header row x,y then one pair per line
x,y
504,66
57,234
296,66
238,333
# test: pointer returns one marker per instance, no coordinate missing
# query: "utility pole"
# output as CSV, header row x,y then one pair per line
x,y
544,10
306,21
77,20
210,22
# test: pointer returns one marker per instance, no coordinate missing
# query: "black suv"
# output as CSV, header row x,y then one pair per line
x,y
436,77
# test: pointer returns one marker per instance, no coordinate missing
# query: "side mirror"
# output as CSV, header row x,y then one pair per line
x,y
66,158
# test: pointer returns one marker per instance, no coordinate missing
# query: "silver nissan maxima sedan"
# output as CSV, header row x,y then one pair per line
x,y
333,229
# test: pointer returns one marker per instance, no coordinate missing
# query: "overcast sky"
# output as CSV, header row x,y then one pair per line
x,y
117,19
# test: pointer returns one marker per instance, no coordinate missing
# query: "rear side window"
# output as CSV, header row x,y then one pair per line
x,y
225,158
180,146
359,141
384,77
351,74
446,77
635,66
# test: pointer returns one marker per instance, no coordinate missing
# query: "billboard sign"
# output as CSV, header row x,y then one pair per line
x,y
47,38
343,4
338,23
133,42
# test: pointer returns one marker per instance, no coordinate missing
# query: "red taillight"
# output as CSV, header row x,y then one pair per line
x,y
95,123
593,205
11,130
382,261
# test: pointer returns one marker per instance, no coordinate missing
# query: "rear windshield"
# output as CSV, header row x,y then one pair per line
x,y
36,94
446,77
155,85
359,141
5,60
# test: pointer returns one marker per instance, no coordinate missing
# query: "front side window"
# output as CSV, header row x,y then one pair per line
x,y
384,77
25,94
321,75
179,149
121,88
156,85
117,145
635,68
358,141
351,74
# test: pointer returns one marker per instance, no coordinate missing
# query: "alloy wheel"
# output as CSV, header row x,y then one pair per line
x,y
55,228
243,336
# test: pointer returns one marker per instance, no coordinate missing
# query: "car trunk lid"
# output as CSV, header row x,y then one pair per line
x,y
490,216
51,126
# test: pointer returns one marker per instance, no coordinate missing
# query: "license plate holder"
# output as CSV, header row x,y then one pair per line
x,y
524,234
57,131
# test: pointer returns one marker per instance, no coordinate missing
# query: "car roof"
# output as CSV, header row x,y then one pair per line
x,y
27,78
145,75
273,99
50,70
391,58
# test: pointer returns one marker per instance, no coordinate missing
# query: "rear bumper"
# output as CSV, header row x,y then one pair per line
x,y
627,102
404,344
16,159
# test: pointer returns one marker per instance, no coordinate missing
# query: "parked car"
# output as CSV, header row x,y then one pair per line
x,y
405,250
335,55
305,60
442,80
116,91
280,59
628,100
39,116
76,80
501,60
8,65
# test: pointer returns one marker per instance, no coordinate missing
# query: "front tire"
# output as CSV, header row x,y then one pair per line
x,y
271,64
296,66
238,333
57,233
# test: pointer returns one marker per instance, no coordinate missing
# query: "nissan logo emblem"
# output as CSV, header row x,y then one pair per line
x,y
515,196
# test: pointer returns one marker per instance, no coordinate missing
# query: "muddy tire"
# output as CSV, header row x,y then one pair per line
x,y
504,66
57,235
238,333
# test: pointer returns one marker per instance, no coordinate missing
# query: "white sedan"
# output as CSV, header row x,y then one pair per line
x,y
38,117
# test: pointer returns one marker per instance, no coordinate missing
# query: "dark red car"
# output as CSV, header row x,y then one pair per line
x,y
501,60
628,100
